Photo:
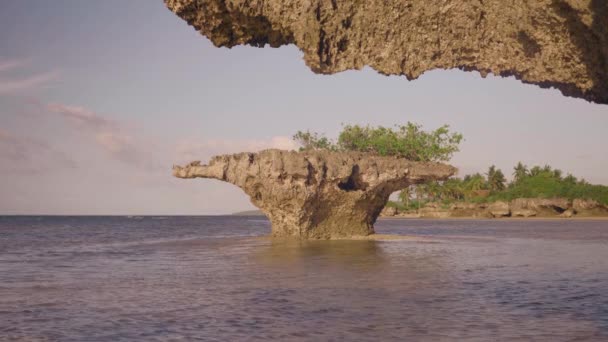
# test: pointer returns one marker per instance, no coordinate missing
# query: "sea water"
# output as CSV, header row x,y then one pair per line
x,y
215,279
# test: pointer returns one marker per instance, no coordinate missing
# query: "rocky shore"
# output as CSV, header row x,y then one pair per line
x,y
517,208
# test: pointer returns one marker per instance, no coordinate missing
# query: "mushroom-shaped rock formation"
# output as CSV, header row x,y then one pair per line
x,y
550,43
317,194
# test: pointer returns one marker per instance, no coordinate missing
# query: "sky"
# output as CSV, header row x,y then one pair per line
x,y
98,99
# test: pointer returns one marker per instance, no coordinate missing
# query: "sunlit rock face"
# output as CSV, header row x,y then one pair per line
x,y
550,43
317,194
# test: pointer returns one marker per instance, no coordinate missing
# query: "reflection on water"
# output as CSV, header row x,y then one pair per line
x,y
339,253
210,278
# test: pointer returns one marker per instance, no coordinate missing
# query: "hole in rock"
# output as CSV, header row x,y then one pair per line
x,y
354,182
558,209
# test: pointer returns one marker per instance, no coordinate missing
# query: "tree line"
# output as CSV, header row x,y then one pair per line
x,y
534,182
412,142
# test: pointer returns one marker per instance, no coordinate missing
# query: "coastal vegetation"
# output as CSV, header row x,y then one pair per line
x,y
412,142
492,186
408,141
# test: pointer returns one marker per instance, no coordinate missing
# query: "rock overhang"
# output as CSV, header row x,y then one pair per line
x,y
549,43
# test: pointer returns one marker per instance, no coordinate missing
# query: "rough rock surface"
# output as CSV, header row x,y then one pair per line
x,y
523,213
389,212
550,43
499,209
520,207
567,214
464,206
317,194
586,207
474,210
583,204
431,212
540,206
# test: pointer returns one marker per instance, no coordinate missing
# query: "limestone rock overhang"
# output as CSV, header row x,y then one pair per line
x,y
550,43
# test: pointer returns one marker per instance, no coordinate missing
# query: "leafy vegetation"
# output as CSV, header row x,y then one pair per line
x,y
536,182
496,179
313,141
408,141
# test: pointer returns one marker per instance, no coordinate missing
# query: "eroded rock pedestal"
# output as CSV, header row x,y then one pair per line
x,y
550,43
317,194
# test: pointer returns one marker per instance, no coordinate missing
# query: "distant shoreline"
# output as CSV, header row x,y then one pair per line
x,y
248,213
537,218
462,218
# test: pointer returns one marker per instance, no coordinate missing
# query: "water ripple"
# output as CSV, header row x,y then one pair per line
x,y
211,279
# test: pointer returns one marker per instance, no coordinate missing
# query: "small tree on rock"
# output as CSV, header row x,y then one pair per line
x,y
407,141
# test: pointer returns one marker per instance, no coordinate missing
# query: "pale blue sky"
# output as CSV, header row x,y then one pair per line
x,y
99,98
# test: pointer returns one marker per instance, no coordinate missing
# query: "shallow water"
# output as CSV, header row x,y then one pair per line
x,y
213,279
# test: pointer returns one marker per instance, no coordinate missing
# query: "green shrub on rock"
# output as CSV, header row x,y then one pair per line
x,y
407,141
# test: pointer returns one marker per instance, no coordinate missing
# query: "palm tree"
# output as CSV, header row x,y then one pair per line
x,y
477,182
557,174
405,195
520,171
452,189
496,179
535,171
473,183
430,191
570,179
499,181
422,191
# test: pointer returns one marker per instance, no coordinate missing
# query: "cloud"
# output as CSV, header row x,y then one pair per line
x,y
11,148
191,149
283,143
10,64
13,85
22,154
121,142
120,146
80,116
110,136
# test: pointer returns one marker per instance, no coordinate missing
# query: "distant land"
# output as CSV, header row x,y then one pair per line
x,y
249,213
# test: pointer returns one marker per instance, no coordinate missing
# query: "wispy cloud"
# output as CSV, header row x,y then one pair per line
x,y
121,146
193,149
8,64
23,154
12,149
81,116
111,136
121,142
9,85
16,85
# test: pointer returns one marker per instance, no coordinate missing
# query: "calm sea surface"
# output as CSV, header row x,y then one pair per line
x,y
213,279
